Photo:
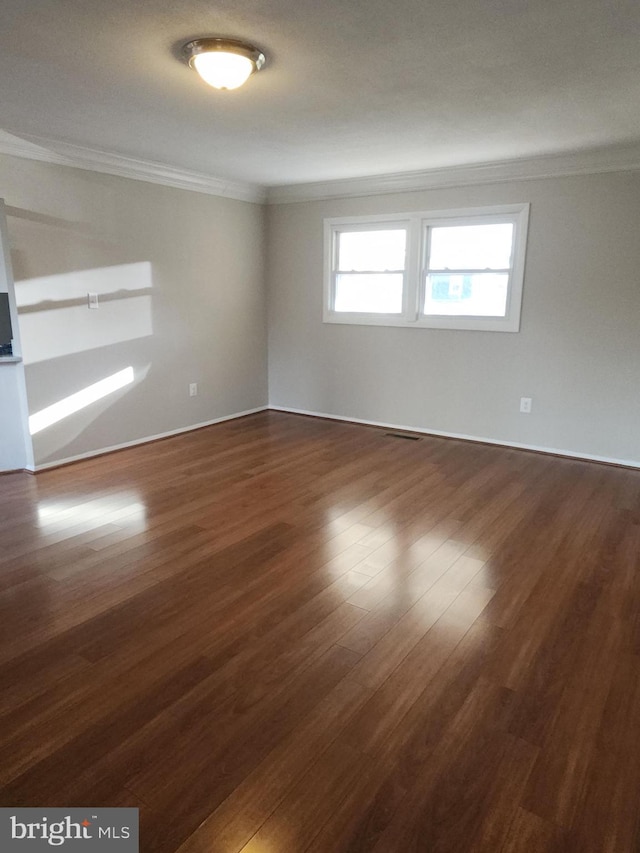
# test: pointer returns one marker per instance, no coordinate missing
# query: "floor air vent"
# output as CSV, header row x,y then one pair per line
x,y
399,435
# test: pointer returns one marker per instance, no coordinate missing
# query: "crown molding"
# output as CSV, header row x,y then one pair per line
x,y
64,154
618,159
589,162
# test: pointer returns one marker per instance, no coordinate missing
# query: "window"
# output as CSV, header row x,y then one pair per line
x,y
448,269
370,270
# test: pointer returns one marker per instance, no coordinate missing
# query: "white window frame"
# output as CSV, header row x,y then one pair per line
x,y
418,224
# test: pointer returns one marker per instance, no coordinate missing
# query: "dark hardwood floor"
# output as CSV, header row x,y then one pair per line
x,y
283,634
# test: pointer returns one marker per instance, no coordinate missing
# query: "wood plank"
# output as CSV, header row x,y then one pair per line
x,y
288,633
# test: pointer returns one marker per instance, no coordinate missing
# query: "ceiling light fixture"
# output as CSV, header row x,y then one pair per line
x,y
223,63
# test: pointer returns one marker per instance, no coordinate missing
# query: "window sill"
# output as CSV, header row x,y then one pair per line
x,y
461,324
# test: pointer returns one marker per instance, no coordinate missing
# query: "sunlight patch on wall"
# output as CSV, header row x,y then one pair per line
x,y
55,320
80,400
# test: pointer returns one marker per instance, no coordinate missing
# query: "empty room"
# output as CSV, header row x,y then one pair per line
x,y
319,426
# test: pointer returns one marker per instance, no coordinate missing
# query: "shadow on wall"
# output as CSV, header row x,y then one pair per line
x,y
47,219
86,409
78,401
55,319
57,240
80,361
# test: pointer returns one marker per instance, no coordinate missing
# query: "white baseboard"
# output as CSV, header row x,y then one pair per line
x,y
570,454
552,451
36,468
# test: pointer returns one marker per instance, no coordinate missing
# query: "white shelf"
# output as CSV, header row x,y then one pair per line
x,y
10,359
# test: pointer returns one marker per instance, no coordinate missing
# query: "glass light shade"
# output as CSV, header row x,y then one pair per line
x,y
223,63
223,70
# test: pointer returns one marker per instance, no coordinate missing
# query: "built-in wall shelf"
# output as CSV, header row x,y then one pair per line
x,y
10,359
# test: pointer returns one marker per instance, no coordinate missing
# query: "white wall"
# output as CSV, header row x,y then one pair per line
x,y
182,300
577,354
180,279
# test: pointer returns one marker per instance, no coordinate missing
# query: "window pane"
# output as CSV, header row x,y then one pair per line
x,y
477,295
372,250
471,247
379,293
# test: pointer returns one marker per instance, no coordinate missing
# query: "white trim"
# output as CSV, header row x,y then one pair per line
x,y
569,454
146,440
76,156
592,162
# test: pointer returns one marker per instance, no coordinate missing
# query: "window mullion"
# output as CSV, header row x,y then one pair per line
x,y
335,240
425,259
412,274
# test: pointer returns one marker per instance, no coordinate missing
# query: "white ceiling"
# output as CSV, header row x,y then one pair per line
x,y
351,87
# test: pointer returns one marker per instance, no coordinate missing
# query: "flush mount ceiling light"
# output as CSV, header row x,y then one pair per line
x,y
223,63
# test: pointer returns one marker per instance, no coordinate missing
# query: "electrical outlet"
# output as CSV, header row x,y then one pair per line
x,y
193,389
525,405
92,300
